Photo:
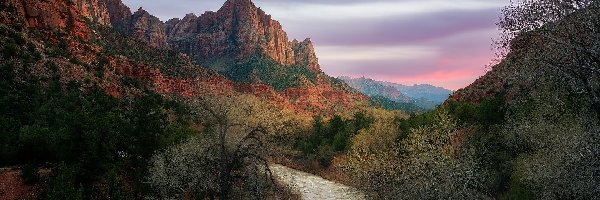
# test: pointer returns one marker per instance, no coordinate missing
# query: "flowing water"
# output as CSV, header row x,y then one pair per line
x,y
314,187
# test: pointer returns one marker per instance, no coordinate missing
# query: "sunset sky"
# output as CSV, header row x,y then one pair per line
x,y
440,42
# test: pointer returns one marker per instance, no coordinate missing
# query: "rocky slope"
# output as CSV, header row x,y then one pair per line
x,y
120,14
247,46
95,10
547,90
95,53
149,28
46,15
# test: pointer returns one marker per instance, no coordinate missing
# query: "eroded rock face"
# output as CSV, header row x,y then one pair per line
x,y
148,28
163,84
238,30
305,54
140,24
120,14
95,10
49,15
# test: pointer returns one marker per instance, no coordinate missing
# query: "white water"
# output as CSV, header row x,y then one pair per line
x,y
312,187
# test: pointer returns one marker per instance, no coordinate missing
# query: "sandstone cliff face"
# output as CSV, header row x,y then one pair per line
x,y
163,84
148,28
305,54
238,30
95,10
120,14
140,24
49,15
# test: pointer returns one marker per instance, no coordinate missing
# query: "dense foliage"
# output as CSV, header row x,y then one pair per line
x,y
327,139
385,103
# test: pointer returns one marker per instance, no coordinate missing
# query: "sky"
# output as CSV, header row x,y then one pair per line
x,y
440,42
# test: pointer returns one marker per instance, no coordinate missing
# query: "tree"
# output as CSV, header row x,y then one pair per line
x,y
562,36
230,154
553,126
424,165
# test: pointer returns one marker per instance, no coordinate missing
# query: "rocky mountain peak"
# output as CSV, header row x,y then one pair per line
x,y
141,11
239,3
149,28
305,54
120,14
238,30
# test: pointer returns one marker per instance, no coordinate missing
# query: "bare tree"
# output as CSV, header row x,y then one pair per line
x,y
230,154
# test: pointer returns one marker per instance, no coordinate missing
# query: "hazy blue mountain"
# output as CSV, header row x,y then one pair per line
x,y
424,95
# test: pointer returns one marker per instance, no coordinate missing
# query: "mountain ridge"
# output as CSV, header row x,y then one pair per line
x,y
246,45
300,87
425,96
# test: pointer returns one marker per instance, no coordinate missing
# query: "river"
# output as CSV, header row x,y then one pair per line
x,y
313,187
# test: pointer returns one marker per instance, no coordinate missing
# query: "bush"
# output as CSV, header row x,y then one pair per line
x,y
29,173
62,184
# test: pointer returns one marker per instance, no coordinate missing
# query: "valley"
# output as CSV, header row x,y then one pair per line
x,y
99,102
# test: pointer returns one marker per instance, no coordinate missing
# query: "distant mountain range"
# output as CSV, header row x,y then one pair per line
x,y
424,96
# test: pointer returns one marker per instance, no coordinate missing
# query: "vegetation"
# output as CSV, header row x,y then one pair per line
x,y
263,70
227,160
97,145
327,139
388,104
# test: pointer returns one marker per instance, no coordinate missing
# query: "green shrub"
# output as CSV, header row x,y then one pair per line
x,y
62,184
29,173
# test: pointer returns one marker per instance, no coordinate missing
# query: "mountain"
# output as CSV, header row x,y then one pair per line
x,y
237,31
423,91
259,62
95,52
244,44
424,96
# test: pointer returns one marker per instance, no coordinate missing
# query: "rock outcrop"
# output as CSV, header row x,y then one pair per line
x,y
149,28
95,10
304,54
120,14
140,24
48,15
238,30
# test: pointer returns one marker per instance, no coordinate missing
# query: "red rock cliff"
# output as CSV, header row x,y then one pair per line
x,y
120,14
148,28
49,15
305,54
238,30
95,10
